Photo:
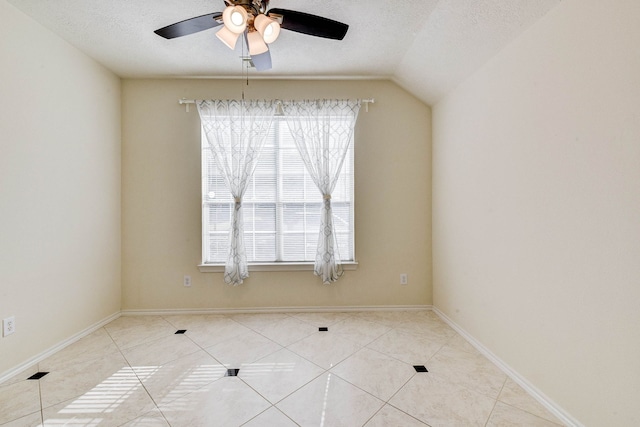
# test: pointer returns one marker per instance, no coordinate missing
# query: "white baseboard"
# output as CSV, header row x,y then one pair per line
x,y
551,406
249,310
544,400
40,357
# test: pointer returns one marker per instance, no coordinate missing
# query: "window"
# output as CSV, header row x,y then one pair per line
x,y
281,206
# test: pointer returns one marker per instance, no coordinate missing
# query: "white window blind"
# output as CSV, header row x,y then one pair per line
x,y
281,206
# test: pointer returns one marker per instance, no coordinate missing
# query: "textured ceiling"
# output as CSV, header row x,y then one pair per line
x,y
427,46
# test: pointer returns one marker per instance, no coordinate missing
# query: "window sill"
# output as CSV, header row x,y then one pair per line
x,y
280,266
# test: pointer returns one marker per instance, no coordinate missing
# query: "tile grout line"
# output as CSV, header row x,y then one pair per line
x,y
328,371
365,346
139,380
273,405
204,348
401,387
40,396
466,386
392,396
493,408
441,350
146,391
294,391
142,383
530,413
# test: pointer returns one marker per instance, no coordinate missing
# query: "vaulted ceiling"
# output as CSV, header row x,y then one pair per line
x,y
426,46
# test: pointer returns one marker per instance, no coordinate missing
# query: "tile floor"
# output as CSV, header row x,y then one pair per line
x,y
137,371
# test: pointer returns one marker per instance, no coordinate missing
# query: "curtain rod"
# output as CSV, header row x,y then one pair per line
x,y
186,102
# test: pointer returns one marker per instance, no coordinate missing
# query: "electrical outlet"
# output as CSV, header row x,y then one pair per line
x,y
404,279
187,281
9,325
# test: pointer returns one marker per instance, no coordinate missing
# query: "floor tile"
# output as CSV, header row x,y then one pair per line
x,y
389,318
258,321
272,417
107,404
122,373
514,395
375,373
359,331
188,321
459,343
406,346
129,331
279,374
246,348
214,331
321,319
93,376
180,377
473,371
325,349
330,401
287,331
389,416
226,402
419,315
437,402
21,376
504,415
93,346
153,418
31,420
432,328
160,351
18,400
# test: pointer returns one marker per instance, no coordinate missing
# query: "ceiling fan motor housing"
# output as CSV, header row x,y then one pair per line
x,y
253,7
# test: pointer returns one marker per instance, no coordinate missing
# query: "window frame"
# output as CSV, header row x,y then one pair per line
x,y
219,267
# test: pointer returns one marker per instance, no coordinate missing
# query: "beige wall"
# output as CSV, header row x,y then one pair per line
x,y
161,200
59,189
536,208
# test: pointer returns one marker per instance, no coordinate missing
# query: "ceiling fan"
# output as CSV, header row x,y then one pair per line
x,y
258,27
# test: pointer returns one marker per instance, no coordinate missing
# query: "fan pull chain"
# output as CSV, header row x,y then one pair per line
x,y
246,67
242,61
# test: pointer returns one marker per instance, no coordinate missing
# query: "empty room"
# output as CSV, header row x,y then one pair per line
x,y
331,213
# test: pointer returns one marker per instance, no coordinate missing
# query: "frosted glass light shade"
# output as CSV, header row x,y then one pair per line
x,y
235,19
227,37
256,44
267,27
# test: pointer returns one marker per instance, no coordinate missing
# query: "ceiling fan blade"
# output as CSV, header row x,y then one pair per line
x,y
190,26
262,62
311,24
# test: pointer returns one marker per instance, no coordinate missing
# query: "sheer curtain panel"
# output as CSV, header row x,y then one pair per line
x,y
236,131
322,131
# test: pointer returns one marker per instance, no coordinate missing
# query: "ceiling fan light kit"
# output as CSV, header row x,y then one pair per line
x,y
259,26
228,37
268,28
235,19
256,43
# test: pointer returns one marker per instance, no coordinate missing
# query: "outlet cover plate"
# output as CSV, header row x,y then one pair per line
x,y
8,326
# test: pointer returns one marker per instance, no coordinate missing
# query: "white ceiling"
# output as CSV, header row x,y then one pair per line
x,y
427,46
